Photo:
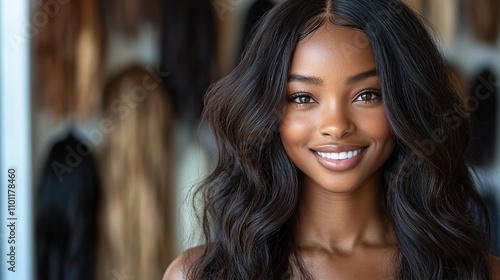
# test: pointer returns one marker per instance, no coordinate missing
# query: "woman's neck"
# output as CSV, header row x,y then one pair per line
x,y
342,222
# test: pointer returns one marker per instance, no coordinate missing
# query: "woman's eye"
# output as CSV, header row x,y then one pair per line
x,y
368,96
301,99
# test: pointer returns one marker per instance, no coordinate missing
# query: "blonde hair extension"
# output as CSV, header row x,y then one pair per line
x,y
136,236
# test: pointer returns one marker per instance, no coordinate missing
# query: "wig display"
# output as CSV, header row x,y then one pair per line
x,y
483,100
67,54
189,54
484,19
127,16
66,206
136,234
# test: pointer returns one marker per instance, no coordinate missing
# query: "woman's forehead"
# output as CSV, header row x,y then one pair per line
x,y
333,48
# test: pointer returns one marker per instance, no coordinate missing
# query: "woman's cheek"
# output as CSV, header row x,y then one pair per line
x,y
293,127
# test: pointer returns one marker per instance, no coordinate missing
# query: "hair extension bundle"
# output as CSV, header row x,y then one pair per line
x,y
68,52
66,203
254,14
127,16
484,19
188,41
484,111
55,54
443,16
136,238
89,48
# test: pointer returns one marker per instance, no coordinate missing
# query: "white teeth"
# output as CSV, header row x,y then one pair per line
x,y
341,155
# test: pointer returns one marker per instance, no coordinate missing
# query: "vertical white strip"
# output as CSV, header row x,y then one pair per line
x,y
15,149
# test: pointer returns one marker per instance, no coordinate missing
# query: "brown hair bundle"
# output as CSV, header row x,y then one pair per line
x,y
68,52
127,16
484,19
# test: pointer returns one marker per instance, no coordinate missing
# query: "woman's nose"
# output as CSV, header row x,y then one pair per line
x,y
336,121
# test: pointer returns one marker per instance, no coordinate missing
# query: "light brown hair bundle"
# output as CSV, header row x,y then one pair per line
x,y
136,238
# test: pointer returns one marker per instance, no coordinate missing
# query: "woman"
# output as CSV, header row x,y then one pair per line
x,y
340,155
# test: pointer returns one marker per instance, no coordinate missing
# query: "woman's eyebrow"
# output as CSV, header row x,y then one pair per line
x,y
361,76
318,81
305,79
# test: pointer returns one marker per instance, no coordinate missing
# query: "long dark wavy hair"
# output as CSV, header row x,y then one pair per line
x,y
250,199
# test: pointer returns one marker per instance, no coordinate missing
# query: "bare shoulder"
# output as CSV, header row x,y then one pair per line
x,y
495,267
176,269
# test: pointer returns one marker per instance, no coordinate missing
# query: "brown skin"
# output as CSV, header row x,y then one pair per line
x,y
176,268
342,231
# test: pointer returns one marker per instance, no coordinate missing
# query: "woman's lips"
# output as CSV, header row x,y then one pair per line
x,y
340,161
341,155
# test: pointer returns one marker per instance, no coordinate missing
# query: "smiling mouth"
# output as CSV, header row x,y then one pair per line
x,y
340,156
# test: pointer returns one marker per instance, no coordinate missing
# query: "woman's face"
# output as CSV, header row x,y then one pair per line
x,y
334,126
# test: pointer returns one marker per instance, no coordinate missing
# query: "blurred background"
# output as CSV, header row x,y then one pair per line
x,y
100,118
